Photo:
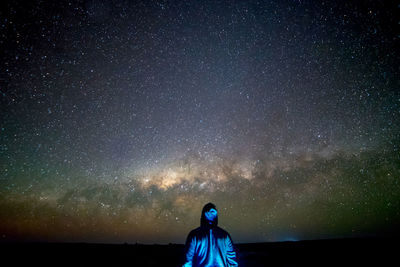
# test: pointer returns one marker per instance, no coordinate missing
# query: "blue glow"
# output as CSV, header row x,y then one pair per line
x,y
209,245
211,215
291,239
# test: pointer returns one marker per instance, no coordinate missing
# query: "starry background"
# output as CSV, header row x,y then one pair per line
x,y
121,119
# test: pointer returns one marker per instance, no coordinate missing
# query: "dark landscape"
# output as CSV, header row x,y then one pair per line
x,y
335,252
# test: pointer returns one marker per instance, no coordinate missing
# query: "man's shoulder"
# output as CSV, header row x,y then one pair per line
x,y
201,230
221,231
196,231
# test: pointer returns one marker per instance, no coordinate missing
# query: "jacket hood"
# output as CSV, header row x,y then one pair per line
x,y
203,220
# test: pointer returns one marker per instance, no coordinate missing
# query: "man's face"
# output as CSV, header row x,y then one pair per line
x,y
211,215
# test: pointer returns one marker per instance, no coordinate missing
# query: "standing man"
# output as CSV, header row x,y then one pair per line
x,y
209,245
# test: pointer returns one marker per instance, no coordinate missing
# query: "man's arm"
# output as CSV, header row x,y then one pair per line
x,y
190,250
230,252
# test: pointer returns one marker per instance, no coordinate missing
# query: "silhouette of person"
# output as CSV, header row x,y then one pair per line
x,y
209,245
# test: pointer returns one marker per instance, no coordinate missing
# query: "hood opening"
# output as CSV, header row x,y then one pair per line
x,y
203,219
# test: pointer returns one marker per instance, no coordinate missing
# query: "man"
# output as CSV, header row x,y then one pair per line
x,y
209,245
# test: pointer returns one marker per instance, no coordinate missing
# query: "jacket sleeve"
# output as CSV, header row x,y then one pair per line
x,y
190,250
230,252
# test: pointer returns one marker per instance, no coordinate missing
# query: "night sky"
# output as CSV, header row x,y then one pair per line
x,y
120,119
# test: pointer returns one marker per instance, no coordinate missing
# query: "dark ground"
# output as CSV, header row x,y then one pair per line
x,y
339,252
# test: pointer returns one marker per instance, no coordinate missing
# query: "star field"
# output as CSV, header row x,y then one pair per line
x,y
121,119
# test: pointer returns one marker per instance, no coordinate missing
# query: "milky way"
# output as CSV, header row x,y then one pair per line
x,y
121,119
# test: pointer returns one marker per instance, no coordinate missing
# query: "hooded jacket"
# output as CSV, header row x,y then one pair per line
x,y
209,245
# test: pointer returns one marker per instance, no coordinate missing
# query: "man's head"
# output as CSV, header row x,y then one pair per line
x,y
209,215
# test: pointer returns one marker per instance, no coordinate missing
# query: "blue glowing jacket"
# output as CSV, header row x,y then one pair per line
x,y
209,246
